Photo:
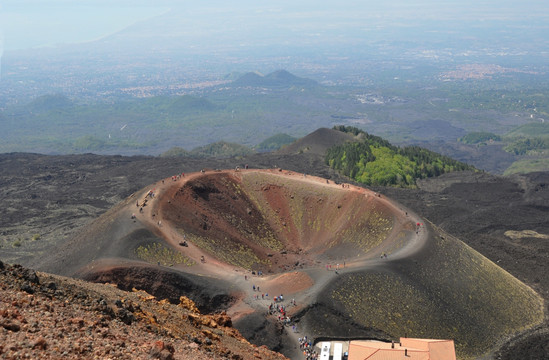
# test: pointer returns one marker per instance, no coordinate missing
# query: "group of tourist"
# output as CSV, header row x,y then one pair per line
x,y
176,177
280,312
307,347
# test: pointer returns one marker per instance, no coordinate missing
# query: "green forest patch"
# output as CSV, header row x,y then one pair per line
x,y
527,166
374,161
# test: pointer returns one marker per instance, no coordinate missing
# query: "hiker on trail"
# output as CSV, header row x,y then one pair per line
x,y
258,288
253,287
202,259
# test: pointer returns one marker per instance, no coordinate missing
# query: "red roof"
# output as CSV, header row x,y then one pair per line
x,y
415,349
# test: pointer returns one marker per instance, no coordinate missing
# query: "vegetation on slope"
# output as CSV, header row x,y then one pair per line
x,y
479,137
530,130
220,149
374,161
157,253
528,146
527,166
528,139
470,299
275,142
176,151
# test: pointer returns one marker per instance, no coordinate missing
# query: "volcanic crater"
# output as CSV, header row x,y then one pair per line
x,y
354,262
277,221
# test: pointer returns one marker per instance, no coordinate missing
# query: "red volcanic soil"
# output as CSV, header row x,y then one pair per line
x,y
44,316
275,221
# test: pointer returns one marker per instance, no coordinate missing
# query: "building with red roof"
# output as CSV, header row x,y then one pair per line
x,y
406,349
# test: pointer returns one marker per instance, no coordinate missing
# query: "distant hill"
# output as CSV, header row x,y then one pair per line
x,y
480,137
220,149
249,79
317,142
279,78
275,142
176,151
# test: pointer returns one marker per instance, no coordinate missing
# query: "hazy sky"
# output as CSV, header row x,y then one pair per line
x,y
25,24
34,23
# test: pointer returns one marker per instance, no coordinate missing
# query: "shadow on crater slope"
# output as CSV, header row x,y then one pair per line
x,y
274,221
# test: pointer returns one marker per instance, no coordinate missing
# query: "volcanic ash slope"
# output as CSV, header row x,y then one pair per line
x,y
447,290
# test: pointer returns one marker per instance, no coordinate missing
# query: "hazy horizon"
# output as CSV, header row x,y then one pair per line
x,y
29,24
